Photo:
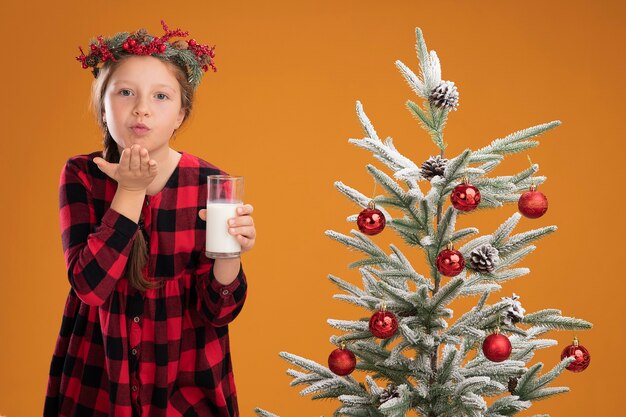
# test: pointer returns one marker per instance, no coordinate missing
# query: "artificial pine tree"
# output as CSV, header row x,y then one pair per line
x,y
416,356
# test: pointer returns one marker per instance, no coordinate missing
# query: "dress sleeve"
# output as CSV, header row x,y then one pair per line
x,y
218,303
95,259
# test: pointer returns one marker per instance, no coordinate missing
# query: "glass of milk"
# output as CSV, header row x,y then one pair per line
x,y
225,194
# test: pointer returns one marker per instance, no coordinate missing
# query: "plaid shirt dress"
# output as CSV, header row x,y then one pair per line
x,y
123,352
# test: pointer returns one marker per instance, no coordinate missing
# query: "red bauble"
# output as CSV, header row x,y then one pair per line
x,y
465,197
383,324
497,347
582,358
371,221
341,361
450,262
533,204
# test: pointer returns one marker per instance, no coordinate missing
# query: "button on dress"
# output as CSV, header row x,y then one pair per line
x,y
122,352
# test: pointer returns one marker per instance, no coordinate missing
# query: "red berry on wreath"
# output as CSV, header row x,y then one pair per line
x,y
465,196
383,324
342,361
533,204
497,347
582,358
450,262
371,221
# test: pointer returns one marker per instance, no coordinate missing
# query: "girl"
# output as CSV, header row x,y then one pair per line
x,y
144,329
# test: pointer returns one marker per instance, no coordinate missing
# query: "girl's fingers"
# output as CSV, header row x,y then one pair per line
x,y
245,209
246,244
202,214
135,159
241,221
124,159
106,167
145,159
247,231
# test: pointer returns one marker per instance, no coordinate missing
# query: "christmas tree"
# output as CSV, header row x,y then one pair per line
x,y
416,356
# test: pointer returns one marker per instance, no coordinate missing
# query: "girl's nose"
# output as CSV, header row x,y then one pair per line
x,y
141,108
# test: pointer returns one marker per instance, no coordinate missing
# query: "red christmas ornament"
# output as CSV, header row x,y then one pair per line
x,y
383,324
371,221
533,204
582,358
450,262
465,196
342,361
497,347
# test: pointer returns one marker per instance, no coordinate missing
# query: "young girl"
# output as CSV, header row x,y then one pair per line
x,y
144,330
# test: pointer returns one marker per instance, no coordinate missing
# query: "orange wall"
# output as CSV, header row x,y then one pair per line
x,y
279,111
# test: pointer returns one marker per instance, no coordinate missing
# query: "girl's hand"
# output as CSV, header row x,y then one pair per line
x,y
242,226
135,170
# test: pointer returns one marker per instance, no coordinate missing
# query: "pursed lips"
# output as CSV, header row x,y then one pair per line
x,y
140,128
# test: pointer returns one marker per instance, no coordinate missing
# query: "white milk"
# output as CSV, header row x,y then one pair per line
x,y
218,240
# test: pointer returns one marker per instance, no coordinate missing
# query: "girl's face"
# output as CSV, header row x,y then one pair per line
x,y
142,103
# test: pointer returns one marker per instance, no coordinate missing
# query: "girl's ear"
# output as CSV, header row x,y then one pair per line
x,y
180,118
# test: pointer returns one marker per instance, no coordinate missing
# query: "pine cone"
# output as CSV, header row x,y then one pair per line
x,y
512,385
205,59
390,392
444,96
435,165
140,35
180,44
92,60
515,313
484,259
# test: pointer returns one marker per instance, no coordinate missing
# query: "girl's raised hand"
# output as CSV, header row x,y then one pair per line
x,y
134,172
242,226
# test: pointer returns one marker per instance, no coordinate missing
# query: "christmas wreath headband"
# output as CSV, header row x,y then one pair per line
x,y
189,54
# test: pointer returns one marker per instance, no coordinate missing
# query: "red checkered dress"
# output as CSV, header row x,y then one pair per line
x,y
123,352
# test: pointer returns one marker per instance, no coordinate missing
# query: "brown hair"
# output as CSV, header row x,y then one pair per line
x,y
139,251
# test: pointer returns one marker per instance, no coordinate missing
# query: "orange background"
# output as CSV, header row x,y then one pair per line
x,y
280,111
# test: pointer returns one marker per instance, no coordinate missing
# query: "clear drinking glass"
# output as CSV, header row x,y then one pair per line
x,y
225,194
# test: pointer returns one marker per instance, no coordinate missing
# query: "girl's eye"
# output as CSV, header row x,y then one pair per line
x,y
161,96
125,92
